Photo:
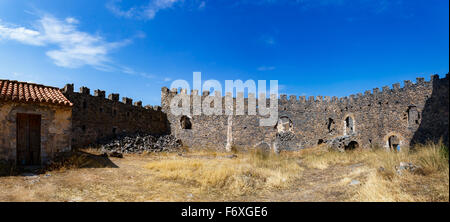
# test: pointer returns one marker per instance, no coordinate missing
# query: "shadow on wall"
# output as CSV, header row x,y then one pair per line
x,y
435,115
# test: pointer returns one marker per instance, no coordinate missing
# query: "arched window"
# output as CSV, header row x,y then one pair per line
x,y
349,125
185,122
284,124
330,125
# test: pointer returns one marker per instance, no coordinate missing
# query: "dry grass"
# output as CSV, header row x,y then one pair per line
x,y
430,184
249,173
203,175
382,182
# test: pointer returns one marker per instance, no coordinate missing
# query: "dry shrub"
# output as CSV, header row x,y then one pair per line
x,y
378,189
248,173
432,157
209,175
321,157
432,184
383,183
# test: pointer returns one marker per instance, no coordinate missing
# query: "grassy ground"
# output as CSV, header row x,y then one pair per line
x,y
315,174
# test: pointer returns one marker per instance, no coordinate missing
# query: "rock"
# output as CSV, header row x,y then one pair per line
x,y
34,181
356,165
231,156
76,199
140,143
284,141
355,182
342,143
408,167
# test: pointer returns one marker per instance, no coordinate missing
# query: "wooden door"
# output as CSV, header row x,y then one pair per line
x,y
28,139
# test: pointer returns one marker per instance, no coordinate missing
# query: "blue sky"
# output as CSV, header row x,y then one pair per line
x,y
312,47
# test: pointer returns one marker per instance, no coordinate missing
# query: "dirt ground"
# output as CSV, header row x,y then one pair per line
x,y
207,177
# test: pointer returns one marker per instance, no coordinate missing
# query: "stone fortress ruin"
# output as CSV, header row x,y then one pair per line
x,y
96,117
393,118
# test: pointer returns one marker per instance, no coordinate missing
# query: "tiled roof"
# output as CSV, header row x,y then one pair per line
x,y
12,90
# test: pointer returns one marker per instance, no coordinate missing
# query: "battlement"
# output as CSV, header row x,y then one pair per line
x,y
96,117
369,118
369,96
115,97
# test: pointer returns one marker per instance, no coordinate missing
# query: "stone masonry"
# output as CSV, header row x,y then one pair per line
x,y
96,117
393,118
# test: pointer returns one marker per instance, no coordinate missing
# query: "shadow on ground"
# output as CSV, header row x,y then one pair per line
x,y
68,160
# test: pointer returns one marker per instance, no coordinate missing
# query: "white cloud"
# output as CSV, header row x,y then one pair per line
x,y
146,11
131,71
72,20
73,48
20,34
266,68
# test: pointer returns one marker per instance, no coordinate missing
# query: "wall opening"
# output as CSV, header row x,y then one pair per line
x,y
185,122
84,104
394,143
330,125
413,116
320,142
352,145
349,125
284,124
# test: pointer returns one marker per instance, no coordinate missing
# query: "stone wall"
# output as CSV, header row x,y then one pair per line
x,y
55,128
414,113
96,117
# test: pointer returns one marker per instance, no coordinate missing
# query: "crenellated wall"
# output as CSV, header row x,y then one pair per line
x,y
415,113
96,117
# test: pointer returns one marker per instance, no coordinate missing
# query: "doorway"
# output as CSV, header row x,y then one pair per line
x,y
28,139
394,143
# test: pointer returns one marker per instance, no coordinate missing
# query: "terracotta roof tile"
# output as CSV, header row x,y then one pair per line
x,y
12,90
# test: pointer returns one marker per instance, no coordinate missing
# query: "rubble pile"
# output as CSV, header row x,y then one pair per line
x,y
141,143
